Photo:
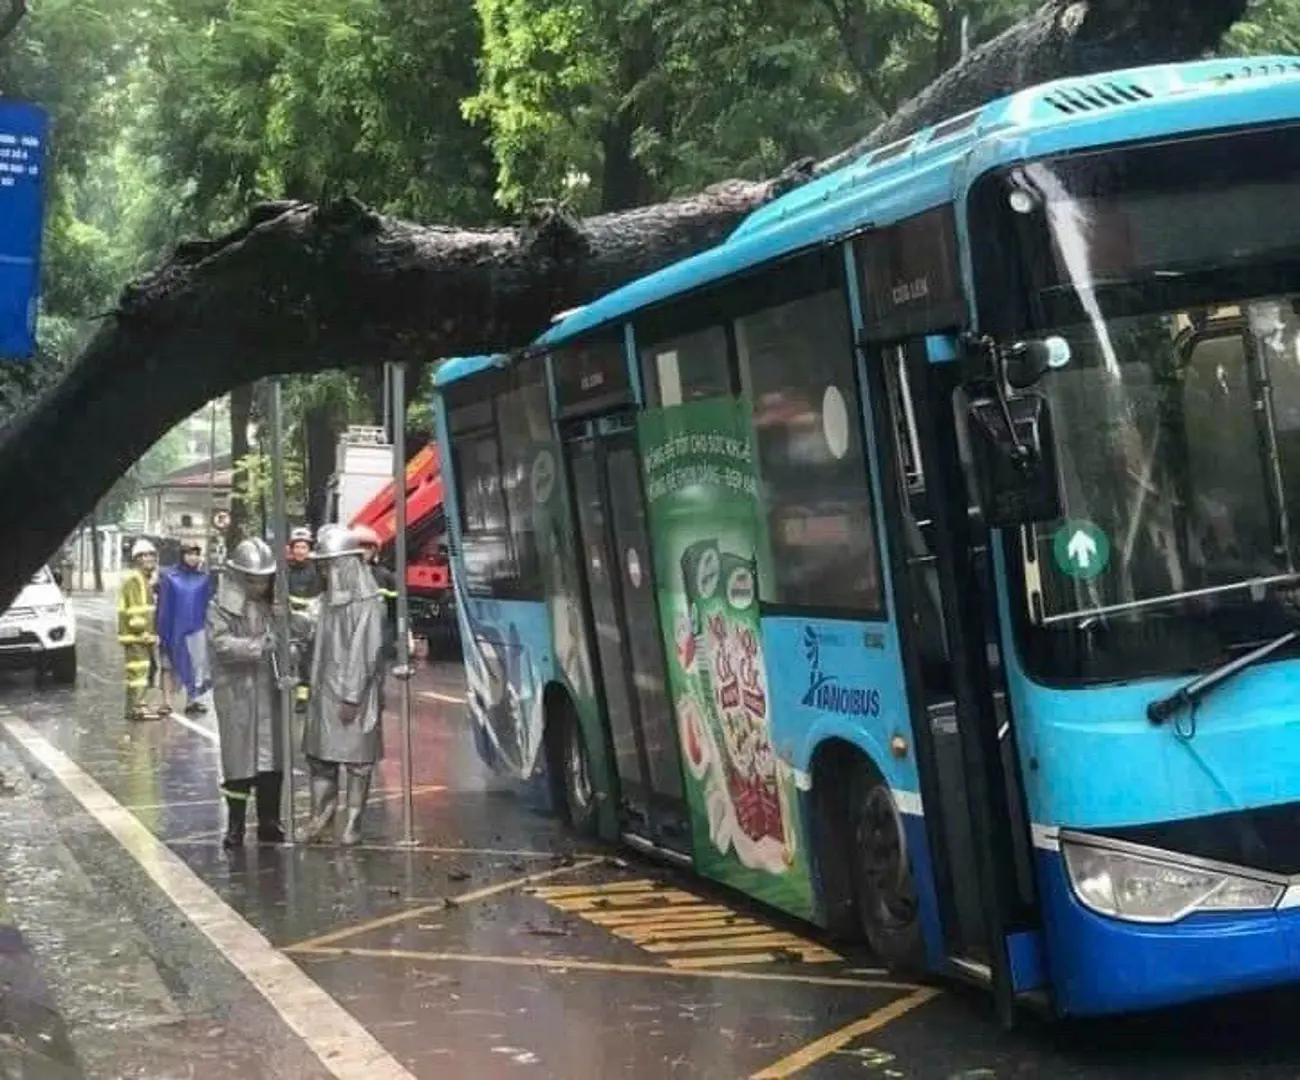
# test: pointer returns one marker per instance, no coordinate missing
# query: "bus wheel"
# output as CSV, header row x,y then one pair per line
x,y
882,875
575,768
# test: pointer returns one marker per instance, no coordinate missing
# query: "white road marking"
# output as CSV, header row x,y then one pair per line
x,y
198,729
344,1047
180,718
450,699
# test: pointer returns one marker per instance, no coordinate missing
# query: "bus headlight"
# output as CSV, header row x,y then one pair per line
x,y
1141,889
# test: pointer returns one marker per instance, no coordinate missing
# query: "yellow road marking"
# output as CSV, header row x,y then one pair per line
x,y
814,1052
652,917
759,937
622,900
663,920
645,938
559,892
558,964
699,963
425,909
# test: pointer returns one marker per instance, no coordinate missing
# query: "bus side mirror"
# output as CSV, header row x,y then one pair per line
x,y
1026,362
1014,455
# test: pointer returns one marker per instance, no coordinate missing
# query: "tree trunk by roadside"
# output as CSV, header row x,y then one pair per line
x,y
96,556
241,412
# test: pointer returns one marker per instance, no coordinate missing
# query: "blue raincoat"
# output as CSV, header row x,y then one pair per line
x,y
183,596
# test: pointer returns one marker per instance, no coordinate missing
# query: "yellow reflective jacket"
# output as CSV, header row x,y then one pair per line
x,y
135,611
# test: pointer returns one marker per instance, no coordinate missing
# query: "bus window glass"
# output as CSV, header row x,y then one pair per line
x,y
687,368
483,509
1177,445
489,564
523,420
1169,269
796,365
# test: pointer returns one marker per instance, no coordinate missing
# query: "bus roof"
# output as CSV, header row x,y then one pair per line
x,y
932,166
462,367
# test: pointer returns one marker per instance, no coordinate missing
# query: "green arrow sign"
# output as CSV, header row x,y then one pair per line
x,y
1081,550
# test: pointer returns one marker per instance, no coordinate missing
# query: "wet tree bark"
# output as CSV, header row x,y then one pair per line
x,y
305,288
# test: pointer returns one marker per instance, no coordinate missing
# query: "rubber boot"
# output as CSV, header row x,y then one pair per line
x,y
270,830
358,792
324,799
237,794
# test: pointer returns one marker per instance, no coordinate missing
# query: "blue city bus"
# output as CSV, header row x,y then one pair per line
x,y
921,559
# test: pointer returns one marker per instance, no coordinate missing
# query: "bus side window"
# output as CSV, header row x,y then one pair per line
x,y
797,368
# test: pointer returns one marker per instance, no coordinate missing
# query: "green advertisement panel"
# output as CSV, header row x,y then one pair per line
x,y
710,549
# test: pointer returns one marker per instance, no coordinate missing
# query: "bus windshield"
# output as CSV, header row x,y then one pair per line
x,y
1171,272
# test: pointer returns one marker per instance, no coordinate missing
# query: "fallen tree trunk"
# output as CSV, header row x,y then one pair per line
x,y
302,288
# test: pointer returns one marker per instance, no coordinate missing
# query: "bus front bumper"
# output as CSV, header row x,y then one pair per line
x,y
1103,965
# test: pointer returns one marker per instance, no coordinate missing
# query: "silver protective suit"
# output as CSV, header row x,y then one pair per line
x,y
240,634
346,667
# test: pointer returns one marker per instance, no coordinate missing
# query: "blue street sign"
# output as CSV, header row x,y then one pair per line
x,y
23,128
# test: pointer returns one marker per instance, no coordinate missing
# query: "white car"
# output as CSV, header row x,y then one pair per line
x,y
40,631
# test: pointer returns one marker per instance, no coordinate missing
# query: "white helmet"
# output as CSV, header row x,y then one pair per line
x,y
142,547
336,541
301,533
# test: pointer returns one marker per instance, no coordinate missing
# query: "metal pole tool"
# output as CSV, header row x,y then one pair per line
x,y
283,666
403,670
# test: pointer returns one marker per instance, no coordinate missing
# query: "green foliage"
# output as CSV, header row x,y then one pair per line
x,y
603,104
271,98
253,487
166,455
1271,26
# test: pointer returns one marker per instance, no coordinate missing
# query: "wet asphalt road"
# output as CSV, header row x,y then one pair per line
x,y
497,947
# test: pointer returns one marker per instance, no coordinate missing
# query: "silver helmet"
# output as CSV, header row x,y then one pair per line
x,y
253,557
335,541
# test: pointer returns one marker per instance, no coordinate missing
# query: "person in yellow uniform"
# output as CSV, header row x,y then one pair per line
x,y
136,629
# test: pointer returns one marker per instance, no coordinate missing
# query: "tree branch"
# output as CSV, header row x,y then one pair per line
x,y
16,13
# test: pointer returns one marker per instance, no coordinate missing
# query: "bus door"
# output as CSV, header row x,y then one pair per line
x,y
945,599
945,603
614,534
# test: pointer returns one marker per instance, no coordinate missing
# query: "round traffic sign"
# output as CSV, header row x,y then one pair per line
x,y
1081,550
220,519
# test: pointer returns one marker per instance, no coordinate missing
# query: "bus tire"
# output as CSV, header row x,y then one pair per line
x,y
575,775
883,884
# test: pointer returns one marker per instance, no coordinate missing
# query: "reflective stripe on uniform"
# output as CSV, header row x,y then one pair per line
x,y
238,796
137,684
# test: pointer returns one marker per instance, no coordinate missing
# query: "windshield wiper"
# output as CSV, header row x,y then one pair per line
x,y
1091,614
1186,696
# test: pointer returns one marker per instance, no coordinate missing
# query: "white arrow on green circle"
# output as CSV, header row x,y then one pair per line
x,y
1082,549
